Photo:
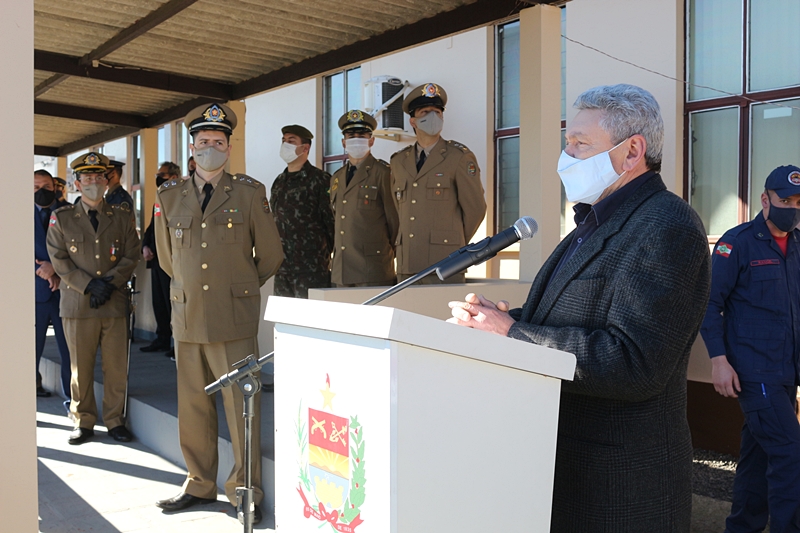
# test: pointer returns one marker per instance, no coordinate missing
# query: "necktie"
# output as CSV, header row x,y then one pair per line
x,y
93,218
208,189
46,217
422,158
351,171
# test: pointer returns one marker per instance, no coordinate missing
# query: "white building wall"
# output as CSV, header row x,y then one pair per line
x,y
648,33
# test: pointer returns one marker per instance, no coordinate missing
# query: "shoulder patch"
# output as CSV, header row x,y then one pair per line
x,y
458,145
724,249
244,178
122,207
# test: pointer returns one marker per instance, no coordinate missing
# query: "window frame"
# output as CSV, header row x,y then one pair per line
x,y
326,159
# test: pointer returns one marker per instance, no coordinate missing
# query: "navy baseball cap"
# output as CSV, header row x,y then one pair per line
x,y
785,181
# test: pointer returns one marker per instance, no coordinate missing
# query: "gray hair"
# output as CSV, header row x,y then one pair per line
x,y
628,110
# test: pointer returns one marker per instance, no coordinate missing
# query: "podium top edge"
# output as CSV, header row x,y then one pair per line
x,y
397,325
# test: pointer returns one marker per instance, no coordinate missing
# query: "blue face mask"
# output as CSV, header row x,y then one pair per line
x,y
784,218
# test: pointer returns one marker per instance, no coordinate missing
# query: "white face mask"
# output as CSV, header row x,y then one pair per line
x,y
585,179
210,159
93,191
356,148
288,152
431,123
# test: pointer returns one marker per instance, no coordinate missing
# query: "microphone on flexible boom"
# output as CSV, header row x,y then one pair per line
x,y
475,254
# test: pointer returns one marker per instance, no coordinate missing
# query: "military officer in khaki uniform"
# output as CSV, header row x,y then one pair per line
x,y
217,240
94,248
437,189
364,213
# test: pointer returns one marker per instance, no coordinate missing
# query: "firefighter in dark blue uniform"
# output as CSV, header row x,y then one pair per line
x,y
752,332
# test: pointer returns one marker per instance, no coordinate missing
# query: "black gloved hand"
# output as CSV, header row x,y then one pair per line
x,y
93,303
99,289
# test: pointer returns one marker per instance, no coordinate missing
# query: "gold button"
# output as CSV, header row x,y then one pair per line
x,y
97,257
378,252
97,241
179,224
414,185
343,216
344,201
204,266
342,232
203,225
204,245
411,235
412,218
246,291
205,287
366,196
230,225
413,201
438,184
342,247
98,272
230,220
445,240
174,297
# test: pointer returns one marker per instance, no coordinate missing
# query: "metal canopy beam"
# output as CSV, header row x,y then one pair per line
x,y
456,20
138,28
50,151
97,138
165,81
54,109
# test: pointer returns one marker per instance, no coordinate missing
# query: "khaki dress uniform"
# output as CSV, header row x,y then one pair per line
x,y
440,207
366,225
218,259
79,254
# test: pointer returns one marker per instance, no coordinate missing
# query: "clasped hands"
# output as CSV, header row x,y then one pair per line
x,y
48,273
479,313
99,291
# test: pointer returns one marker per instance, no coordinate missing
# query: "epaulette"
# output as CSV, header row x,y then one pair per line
x,y
459,146
244,178
384,163
64,208
734,232
406,149
122,207
169,184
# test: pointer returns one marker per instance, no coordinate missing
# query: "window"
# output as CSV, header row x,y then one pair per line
x,y
340,92
182,146
734,140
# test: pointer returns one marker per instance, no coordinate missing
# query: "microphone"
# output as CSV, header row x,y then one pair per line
x,y
475,254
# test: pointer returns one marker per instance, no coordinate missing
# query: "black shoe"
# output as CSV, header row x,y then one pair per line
x,y
170,354
80,435
182,501
257,518
41,392
120,434
156,346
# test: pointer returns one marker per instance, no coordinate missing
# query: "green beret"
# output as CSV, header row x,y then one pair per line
x,y
300,131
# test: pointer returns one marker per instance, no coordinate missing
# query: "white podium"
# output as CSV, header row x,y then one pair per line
x,y
389,421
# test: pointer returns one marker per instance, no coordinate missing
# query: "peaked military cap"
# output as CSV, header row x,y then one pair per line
x,y
91,162
356,120
60,181
112,163
216,117
423,96
300,131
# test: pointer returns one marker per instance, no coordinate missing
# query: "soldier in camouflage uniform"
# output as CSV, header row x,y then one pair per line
x,y
300,202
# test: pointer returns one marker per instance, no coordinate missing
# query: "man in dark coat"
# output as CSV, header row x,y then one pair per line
x,y
626,293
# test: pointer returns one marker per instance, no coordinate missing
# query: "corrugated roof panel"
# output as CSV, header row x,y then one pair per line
x,y
55,131
98,94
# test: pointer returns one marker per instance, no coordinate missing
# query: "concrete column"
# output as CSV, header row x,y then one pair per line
x,y
148,168
237,161
540,132
61,167
18,493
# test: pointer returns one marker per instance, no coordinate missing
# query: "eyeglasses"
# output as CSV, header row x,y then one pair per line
x,y
87,179
162,175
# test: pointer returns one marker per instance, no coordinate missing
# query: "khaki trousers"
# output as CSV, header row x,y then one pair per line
x,y
83,336
199,365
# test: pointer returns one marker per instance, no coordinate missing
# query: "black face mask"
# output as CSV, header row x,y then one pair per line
x,y
784,218
160,181
44,197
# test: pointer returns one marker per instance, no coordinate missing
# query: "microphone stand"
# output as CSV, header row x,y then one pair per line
x,y
246,374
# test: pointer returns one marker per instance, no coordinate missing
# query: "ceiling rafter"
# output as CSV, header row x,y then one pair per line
x,y
138,28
